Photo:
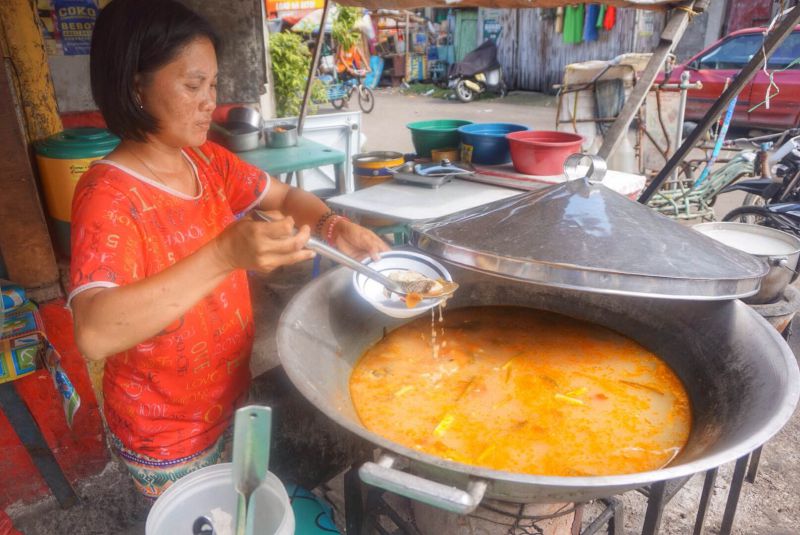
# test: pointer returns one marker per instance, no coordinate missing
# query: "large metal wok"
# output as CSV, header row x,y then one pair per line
x,y
741,376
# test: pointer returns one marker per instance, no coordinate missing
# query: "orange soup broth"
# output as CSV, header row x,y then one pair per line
x,y
525,391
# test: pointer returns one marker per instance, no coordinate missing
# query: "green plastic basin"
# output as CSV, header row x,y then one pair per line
x,y
436,134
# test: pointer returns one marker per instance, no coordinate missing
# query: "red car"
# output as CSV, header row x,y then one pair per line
x,y
723,60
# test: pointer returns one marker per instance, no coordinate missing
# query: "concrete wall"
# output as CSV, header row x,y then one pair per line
x,y
242,64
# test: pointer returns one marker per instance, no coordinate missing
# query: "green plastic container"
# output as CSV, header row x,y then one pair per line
x,y
436,134
62,158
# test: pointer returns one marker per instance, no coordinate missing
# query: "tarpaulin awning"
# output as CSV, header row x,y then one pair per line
x,y
408,4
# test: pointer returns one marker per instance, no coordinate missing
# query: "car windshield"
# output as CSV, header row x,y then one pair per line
x,y
734,53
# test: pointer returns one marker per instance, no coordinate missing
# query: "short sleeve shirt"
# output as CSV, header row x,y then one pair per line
x,y
171,396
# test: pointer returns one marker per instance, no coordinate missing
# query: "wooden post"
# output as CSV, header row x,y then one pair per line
x,y
408,45
24,240
312,71
29,96
23,45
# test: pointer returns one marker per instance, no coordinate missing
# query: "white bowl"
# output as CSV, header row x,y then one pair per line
x,y
393,261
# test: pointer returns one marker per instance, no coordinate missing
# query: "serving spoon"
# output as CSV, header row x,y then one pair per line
x,y
422,286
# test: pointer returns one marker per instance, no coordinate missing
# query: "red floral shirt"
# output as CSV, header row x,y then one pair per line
x,y
173,395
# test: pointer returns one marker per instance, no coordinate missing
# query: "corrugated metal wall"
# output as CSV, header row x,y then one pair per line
x,y
534,56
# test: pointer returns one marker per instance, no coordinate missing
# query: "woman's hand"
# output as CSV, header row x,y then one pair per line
x,y
356,241
262,245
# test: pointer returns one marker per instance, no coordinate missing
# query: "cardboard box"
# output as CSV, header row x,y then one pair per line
x,y
21,344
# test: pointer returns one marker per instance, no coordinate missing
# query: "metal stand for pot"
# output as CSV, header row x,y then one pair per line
x,y
367,515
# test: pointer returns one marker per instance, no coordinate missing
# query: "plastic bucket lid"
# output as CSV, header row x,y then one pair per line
x,y
211,489
75,143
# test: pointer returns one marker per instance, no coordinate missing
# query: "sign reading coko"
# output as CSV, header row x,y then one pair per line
x,y
74,24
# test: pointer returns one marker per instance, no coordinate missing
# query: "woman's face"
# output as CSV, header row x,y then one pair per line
x,y
182,94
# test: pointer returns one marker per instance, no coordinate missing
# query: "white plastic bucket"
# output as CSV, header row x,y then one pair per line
x,y
212,488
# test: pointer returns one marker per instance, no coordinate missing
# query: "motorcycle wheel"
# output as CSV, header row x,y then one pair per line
x,y
762,216
751,199
366,99
338,103
464,93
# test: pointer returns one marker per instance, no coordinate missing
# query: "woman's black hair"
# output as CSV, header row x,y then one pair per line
x,y
137,37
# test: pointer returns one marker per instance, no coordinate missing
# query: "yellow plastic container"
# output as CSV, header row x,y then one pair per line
x,y
62,159
370,169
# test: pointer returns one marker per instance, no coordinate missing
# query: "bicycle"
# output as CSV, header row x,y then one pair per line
x,y
341,93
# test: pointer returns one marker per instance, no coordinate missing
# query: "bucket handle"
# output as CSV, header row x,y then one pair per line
x,y
382,475
595,174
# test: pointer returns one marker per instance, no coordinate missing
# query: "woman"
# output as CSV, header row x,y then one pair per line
x,y
351,63
159,288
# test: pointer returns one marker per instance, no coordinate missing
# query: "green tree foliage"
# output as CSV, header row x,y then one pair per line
x,y
343,31
291,61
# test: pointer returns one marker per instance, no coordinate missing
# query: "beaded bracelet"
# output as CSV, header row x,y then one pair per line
x,y
329,236
320,226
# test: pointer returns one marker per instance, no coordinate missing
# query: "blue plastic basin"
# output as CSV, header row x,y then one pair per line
x,y
487,143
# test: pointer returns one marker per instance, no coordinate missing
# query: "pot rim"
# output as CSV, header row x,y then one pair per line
x,y
767,429
754,229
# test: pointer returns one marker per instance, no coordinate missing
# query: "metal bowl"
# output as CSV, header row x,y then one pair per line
x,y
740,375
245,115
280,136
237,137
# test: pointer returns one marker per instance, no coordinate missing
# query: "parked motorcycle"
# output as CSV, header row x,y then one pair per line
x,y
773,199
779,171
477,73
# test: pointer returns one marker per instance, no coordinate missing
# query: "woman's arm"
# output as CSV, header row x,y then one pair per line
x,y
307,209
304,207
112,320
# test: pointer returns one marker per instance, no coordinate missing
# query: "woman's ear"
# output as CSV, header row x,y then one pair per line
x,y
137,90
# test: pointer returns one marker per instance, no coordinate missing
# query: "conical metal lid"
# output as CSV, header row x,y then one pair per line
x,y
585,236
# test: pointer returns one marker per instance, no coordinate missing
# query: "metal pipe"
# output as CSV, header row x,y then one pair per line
x,y
771,43
684,87
313,69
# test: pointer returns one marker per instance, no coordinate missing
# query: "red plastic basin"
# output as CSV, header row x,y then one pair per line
x,y
541,152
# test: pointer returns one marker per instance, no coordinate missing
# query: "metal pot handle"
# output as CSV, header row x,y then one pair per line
x,y
382,475
784,263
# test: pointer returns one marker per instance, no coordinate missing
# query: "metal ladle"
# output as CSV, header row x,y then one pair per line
x,y
393,286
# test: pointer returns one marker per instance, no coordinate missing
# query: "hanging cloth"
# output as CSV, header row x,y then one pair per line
x,y
559,19
590,23
611,18
601,14
573,24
